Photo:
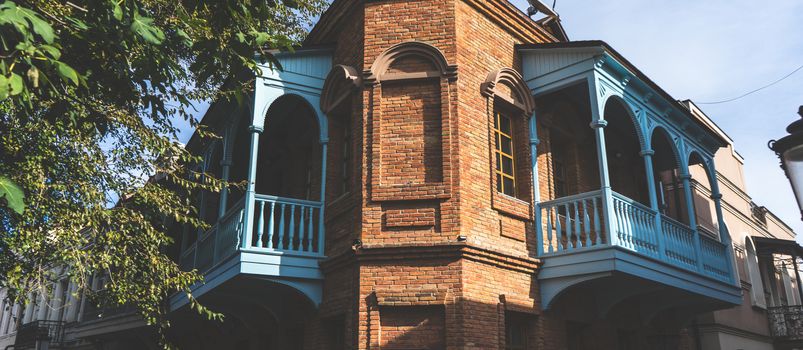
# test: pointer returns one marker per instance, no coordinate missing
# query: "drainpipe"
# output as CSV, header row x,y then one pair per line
x,y
534,141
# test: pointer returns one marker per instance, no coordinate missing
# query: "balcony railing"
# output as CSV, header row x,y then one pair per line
x,y
39,331
287,225
578,222
786,322
281,226
217,243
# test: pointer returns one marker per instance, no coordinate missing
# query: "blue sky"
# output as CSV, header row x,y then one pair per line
x,y
712,51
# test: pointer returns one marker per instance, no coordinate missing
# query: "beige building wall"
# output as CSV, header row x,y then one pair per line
x,y
745,326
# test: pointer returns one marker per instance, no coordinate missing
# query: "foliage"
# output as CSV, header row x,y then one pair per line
x,y
92,96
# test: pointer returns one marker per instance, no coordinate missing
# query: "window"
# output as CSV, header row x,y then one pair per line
x,y
505,160
753,272
515,332
559,173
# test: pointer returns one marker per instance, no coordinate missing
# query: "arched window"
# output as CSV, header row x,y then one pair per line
x,y
511,105
754,274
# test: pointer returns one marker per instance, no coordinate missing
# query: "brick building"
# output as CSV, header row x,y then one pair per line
x,y
451,174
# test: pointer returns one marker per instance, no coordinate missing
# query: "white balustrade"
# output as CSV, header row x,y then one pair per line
x,y
577,222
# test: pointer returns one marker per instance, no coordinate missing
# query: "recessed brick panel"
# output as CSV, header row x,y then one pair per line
x,y
412,328
411,133
421,217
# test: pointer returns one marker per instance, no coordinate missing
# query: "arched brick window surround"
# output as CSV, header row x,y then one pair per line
x,y
506,90
380,73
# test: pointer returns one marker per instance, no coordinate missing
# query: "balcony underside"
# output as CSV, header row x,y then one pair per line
x,y
614,275
255,269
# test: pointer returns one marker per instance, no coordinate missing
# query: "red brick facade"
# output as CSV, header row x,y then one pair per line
x,y
423,252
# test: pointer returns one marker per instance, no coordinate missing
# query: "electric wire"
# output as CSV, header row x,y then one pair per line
x,y
752,91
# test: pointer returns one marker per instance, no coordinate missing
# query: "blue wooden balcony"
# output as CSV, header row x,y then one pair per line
x,y
284,246
635,240
579,242
575,224
275,143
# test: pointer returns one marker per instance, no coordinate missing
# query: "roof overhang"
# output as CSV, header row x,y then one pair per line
x,y
767,246
610,59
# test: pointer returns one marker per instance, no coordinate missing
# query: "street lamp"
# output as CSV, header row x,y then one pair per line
x,y
790,150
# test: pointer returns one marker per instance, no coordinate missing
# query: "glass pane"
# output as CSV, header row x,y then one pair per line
x,y
509,189
793,158
507,166
504,124
498,162
507,145
499,182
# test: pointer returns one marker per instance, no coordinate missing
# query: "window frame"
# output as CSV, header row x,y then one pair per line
x,y
500,155
507,94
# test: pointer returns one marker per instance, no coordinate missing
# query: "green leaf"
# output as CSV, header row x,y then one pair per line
x,y
16,84
52,51
66,72
13,195
22,18
142,26
117,11
185,38
3,87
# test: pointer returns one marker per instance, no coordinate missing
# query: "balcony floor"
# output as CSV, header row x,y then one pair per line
x,y
295,270
561,273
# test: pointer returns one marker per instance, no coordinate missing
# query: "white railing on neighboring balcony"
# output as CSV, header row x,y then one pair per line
x,y
281,226
576,223
287,225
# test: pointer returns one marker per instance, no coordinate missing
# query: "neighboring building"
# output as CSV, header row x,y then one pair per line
x,y
450,174
764,247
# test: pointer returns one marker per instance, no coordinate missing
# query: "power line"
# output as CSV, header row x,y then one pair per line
x,y
752,91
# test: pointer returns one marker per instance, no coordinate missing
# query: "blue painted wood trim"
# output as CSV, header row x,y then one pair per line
x,y
598,123
250,193
562,272
724,233
648,167
321,219
685,177
539,230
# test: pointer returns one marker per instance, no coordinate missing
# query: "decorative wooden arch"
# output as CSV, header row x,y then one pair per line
x,y
676,153
512,79
340,83
710,173
633,118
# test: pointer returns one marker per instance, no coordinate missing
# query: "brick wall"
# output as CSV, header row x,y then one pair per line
x,y
411,283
